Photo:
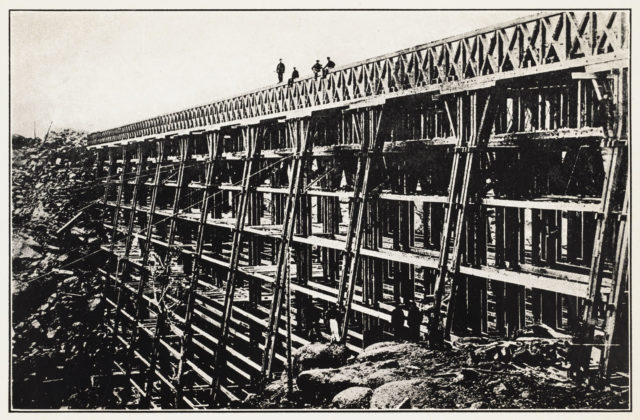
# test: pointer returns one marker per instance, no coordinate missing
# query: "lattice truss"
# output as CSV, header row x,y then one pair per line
x,y
545,40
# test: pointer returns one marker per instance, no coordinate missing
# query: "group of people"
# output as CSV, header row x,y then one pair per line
x,y
317,69
313,330
414,320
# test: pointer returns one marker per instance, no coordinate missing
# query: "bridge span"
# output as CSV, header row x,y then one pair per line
x,y
484,177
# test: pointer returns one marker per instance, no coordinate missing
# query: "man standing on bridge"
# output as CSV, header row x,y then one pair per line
x,y
317,68
280,70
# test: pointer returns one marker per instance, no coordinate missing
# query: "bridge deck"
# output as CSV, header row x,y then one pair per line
x,y
531,45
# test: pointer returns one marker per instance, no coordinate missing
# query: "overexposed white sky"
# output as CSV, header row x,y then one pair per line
x,y
97,70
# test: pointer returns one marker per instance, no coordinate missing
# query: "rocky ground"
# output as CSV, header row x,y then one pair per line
x,y
473,373
57,329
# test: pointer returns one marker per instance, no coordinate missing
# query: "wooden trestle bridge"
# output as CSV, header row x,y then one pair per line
x,y
485,174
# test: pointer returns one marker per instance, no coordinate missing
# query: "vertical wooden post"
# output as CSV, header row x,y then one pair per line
x,y
110,173
213,142
476,307
144,275
129,239
134,198
371,143
120,267
121,186
477,134
252,136
513,293
618,283
536,233
289,332
298,130
162,312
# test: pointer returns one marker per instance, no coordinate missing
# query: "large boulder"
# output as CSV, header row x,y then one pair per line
x,y
354,397
380,345
321,384
324,383
275,389
401,394
319,356
403,352
380,377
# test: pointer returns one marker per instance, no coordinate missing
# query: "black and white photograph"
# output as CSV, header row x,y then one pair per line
x,y
300,210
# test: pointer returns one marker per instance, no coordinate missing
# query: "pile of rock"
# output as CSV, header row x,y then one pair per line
x,y
59,346
51,181
402,375
327,376
58,335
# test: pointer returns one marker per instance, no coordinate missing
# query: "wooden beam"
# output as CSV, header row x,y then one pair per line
x,y
620,276
114,234
298,132
162,316
213,145
252,137
371,141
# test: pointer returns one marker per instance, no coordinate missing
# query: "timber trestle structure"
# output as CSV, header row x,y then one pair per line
x,y
484,177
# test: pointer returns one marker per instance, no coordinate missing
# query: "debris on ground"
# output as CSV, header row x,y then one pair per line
x,y
57,341
470,373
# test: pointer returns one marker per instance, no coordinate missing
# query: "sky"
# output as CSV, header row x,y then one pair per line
x,y
97,70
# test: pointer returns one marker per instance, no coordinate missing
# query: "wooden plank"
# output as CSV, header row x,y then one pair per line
x,y
213,142
620,278
161,319
298,131
108,180
73,220
371,142
603,229
252,136
476,132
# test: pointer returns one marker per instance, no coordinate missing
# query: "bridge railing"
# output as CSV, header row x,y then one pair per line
x,y
530,42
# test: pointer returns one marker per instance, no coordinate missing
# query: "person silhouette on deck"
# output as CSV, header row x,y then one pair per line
x,y
280,70
317,68
294,76
328,67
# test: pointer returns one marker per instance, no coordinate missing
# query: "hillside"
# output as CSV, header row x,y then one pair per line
x,y
57,315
